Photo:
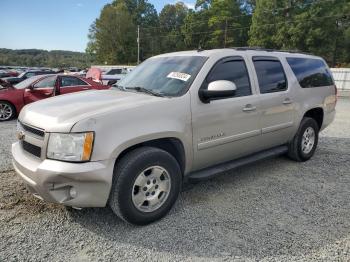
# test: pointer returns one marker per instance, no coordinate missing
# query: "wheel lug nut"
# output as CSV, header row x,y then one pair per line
x,y
153,193
148,182
154,181
145,189
147,194
156,187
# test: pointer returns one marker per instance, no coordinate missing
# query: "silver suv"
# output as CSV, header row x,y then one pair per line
x,y
177,117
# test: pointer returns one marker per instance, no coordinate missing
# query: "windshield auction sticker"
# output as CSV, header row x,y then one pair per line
x,y
178,75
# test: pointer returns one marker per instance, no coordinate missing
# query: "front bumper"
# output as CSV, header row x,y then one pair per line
x,y
72,184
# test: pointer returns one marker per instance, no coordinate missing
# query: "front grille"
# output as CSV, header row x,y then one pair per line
x,y
33,130
32,149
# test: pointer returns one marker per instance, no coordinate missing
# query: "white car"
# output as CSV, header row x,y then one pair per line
x,y
113,75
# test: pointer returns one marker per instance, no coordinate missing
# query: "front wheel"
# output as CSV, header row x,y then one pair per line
x,y
304,143
146,184
7,111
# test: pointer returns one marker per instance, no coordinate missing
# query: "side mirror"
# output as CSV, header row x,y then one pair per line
x,y
219,89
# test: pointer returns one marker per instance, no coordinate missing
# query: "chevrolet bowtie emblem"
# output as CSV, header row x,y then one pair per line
x,y
21,135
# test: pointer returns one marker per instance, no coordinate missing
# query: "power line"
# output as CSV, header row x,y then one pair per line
x,y
271,11
229,29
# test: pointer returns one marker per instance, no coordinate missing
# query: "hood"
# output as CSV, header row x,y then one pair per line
x,y
4,90
59,114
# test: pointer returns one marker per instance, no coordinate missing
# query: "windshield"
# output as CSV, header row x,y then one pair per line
x,y
27,82
169,76
21,75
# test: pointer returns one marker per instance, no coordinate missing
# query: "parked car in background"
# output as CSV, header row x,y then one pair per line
x,y
13,99
4,73
113,75
26,75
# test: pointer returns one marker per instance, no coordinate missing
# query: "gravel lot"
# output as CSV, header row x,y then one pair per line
x,y
276,210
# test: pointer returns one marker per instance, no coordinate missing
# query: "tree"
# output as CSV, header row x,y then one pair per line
x,y
171,18
302,25
113,35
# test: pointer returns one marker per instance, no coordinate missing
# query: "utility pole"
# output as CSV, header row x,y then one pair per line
x,y
138,44
225,34
138,36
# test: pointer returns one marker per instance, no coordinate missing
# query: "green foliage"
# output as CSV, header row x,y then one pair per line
x,y
36,57
319,27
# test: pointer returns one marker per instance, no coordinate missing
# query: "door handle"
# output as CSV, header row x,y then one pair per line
x,y
249,108
85,88
287,101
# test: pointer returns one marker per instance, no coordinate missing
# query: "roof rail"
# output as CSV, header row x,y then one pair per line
x,y
257,48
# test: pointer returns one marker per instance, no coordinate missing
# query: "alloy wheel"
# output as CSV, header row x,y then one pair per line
x,y
151,189
6,111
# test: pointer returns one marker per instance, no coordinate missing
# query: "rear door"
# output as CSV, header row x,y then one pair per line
x,y
42,89
276,99
70,84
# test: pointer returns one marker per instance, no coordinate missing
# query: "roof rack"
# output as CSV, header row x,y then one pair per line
x,y
257,48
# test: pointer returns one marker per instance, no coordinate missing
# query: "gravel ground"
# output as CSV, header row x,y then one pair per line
x,y
276,210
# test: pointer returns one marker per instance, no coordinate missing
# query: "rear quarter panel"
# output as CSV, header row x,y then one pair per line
x,y
308,98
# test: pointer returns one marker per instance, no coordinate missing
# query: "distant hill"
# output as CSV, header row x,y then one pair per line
x,y
38,57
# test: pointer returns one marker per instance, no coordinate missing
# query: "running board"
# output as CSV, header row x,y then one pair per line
x,y
211,172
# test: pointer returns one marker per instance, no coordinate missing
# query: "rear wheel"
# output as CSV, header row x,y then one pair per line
x,y
146,184
7,111
304,143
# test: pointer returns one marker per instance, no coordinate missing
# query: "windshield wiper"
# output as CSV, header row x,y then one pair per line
x,y
119,87
144,90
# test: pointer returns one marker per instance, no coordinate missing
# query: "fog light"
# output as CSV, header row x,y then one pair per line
x,y
73,192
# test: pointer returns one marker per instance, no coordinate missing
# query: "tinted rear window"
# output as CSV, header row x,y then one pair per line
x,y
271,76
310,72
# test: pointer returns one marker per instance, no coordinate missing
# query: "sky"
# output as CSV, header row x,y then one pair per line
x,y
52,24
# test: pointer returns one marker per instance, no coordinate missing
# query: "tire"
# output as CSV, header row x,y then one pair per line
x,y
128,198
296,150
7,111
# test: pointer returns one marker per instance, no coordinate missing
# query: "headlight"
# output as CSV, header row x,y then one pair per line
x,y
75,147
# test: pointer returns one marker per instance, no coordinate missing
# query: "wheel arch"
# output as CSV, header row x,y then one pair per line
x,y
172,145
317,114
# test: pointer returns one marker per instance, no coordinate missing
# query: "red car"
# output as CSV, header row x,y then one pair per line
x,y
13,99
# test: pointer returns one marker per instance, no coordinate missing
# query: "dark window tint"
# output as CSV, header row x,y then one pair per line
x,y
310,72
234,71
271,76
72,81
114,71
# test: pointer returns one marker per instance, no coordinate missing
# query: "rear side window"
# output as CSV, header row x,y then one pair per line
x,y
234,71
270,74
310,72
72,81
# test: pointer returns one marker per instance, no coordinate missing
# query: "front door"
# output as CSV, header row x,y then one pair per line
x,y
42,89
228,128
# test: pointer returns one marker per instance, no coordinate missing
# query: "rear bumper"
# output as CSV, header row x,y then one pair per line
x,y
328,119
72,184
